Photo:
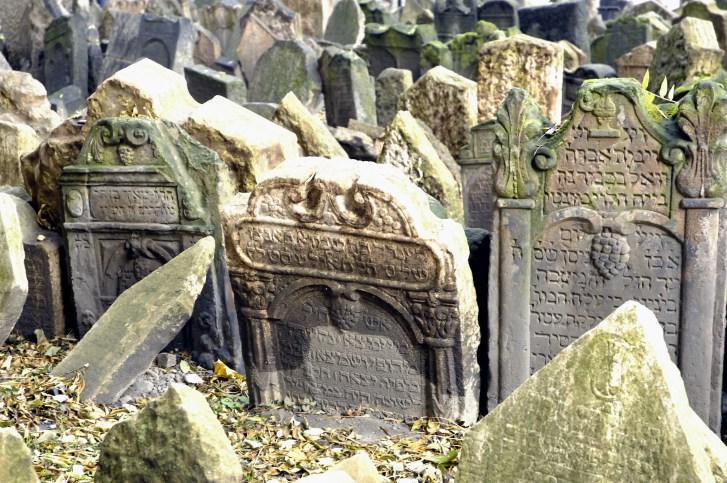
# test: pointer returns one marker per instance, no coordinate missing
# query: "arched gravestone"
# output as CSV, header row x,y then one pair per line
x,y
352,293
140,193
620,203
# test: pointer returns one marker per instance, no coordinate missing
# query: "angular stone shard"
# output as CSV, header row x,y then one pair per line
x,y
313,135
13,281
407,147
17,141
24,100
141,322
249,144
174,438
610,407
17,460
390,85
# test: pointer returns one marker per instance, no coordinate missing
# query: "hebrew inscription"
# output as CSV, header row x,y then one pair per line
x,y
135,204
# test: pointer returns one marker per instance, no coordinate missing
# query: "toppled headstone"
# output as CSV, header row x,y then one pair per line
x,y
348,264
616,388
520,61
347,24
407,147
204,83
636,61
349,91
66,54
454,17
565,20
249,144
13,281
17,459
139,324
24,100
446,102
624,34
148,446
390,85
17,141
313,135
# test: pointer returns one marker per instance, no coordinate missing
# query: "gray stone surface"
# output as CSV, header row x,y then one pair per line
x,y
66,54
397,46
347,24
17,459
205,83
454,17
67,101
348,89
13,281
502,13
623,35
566,20
477,163
390,85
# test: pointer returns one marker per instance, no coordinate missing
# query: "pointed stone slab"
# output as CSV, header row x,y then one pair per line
x,y
610,407
17,462
13,281
139,324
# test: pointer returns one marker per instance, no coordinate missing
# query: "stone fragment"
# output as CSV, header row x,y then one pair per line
x,y
446,102
139,324
66,54
688,51
407,147
615,387
390,85
144,89
637,61
148,447
359,467
165,360
520,61
357,145
624,34
263,109
222,20
346,237
24,100
249,144
565,20
313,135
17,141
13,281
347,24
348,89
17,459
204,83
463,51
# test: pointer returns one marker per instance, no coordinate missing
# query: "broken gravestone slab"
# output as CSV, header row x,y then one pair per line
x,y
615,388
390,85
13,281
349,90
205,83
139,324
17,459
148,446
353,292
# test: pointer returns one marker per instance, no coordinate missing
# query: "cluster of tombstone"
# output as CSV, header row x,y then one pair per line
x,y
508,190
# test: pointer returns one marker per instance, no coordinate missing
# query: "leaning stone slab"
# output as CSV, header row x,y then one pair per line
x,y
313,135
610,407
17,461
13,281
174,438
141,322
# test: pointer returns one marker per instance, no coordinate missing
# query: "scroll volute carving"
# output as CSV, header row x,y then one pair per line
x,y
703,118
520,125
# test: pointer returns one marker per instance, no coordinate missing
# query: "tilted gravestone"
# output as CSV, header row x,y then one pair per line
x,y
476,160
708,10
141,192
502,13
454,17
620,203
347,24
353,293
66,54
349,90
390,85
566,20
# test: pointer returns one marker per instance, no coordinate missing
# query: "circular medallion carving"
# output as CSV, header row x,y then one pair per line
x,y
74,203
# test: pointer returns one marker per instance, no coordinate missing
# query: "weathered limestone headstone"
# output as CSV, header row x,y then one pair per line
x,y
650,6
13,281
24,100
623,35
140,192
222,19
397,46
447,103
390,85
566,20
288,66
520,61
688,51
249,144
365,300
66,54
407,147
478,169
313,135
205,83
501,13
16,140
615,388
349,91
139,324
17,459
454,17
708,10
347,24
147,447
618,204
637,61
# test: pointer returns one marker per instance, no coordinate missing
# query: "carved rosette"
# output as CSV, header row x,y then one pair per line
x,y
520,126
703,118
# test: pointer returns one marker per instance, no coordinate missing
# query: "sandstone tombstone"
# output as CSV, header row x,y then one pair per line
x,y
636,61
478,169
502,13
13,281
390,85
16,457
347,24
618,204
365,299
623,35
207,48
520,61
454,17
140,192
397,46
66,54
708,10
205,83
349,91
566,20
222,19
16,140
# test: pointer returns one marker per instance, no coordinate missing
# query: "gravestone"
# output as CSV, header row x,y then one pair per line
x,y
454,17
16,140
13,281
347,24
650,6
397,46
708,10
390,85
141,192
222,19
314,15
567,20
636,62
416,12
205,83
349,91
618,204
624,34
573,57
24,100
476,160
207,48
353,293
464,49
17,458
611,9
520,61
376,12
611,407
66,54
502,13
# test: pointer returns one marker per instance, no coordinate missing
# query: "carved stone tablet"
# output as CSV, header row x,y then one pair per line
x,y
353,293
478,172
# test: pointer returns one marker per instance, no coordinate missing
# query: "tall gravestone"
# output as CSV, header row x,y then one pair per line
x,y
140,193
353,293
66,54
347,24
620,203
349,91
501,13
567,20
